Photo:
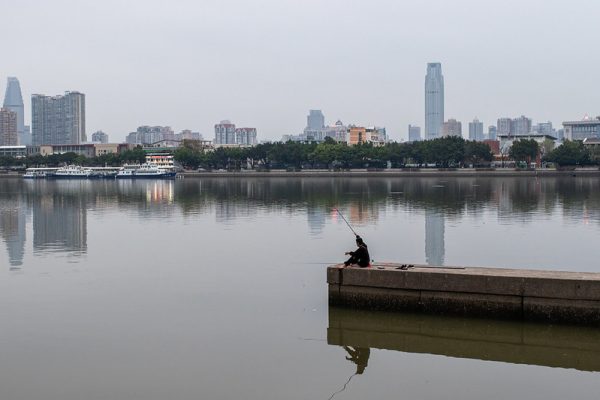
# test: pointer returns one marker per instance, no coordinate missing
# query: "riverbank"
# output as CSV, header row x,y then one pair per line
x,y
419,173
387,173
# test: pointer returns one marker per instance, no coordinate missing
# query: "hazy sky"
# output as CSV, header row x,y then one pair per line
x,y
265,63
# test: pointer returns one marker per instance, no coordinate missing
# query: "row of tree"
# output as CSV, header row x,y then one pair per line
x,y
136,155
443,152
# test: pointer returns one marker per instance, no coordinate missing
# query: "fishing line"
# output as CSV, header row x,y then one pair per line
x,y
343,388
346,221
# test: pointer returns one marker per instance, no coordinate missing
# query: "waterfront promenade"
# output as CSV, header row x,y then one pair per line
x,y
409,172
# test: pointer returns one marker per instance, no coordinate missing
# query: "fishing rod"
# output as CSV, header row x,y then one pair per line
x,y
346,221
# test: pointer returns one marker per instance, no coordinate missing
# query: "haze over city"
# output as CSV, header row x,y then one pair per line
x,y
265,63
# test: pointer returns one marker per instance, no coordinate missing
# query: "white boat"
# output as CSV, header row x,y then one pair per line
x,y
144,171
73,172
38,173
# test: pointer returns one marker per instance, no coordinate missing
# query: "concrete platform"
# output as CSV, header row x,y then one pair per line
x,y
556,346
554,296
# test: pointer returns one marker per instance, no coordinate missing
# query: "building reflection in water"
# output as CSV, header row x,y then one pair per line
x,y
159,191
60,219
434,237
13,216
317,219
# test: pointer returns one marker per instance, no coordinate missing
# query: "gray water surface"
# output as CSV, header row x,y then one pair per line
x,y
215,288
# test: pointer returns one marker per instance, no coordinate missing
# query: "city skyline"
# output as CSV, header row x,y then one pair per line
x,y
270,86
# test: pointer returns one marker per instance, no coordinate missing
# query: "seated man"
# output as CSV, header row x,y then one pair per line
x,y
360,256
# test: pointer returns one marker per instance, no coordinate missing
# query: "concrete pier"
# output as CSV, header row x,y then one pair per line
x,y
557,346
553,296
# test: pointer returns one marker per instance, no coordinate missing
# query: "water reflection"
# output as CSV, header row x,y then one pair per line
x,y
13,216
359,356
59,209
60,219
434,237
502,341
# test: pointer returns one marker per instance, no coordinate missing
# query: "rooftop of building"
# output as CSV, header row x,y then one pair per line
x,y
586,121
527,135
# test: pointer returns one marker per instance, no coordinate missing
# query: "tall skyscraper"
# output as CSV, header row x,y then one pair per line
x,y
452,127
476,130
315,120
434,101
8,127
225,132
414,133
13,100
58,119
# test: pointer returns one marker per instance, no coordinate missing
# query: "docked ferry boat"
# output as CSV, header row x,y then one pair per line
x,y
74,172
144,171
39,173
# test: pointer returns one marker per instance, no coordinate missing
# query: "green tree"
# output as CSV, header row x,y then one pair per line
x,y
524,150
569,153
136,155
188,157
477,152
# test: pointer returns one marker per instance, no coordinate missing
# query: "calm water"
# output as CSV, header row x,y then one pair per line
x,y
215,288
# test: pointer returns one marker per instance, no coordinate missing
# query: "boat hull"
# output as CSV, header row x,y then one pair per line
x,y
169,175
72,177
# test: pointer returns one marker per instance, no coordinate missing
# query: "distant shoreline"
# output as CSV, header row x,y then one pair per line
x,y
423,173
394,173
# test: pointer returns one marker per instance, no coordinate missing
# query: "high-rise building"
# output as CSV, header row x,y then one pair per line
x,y
187,134
152,135
476,130
545,128
414,133
8,127
58,119
520,126
225,132
245,136
315,120
99,137
434,101
13,100
452,127
503,126
492,132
